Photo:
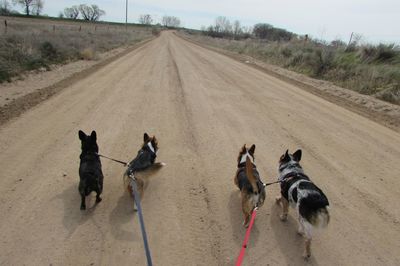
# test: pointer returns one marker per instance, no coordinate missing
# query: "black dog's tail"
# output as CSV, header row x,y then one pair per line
x,y
315,209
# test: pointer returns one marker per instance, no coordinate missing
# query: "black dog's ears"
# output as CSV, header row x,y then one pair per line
x,y
286,157
297,155
252,149
93,135
82,135
146,137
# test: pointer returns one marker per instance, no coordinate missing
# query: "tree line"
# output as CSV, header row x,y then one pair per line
x,y
224,28
35,7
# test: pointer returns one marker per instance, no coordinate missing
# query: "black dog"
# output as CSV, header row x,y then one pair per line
x,y
91,176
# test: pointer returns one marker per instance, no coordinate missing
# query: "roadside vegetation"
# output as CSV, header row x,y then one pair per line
x,y
33,41
365,68
29,44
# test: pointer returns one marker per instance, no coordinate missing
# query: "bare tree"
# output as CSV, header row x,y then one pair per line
x,y
92,12
97,13
26,4
86,11
145,19
237,29
71,12
37,7
170,21
222,24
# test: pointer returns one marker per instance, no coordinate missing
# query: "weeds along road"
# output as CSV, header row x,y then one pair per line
x,y
202,106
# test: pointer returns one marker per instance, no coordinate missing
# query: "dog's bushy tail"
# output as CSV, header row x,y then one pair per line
x,y
315,208
250,175
322,217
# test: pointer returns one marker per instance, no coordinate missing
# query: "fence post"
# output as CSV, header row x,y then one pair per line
x,y
5,25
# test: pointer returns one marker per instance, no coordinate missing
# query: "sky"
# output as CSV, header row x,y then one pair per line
x,y
375,20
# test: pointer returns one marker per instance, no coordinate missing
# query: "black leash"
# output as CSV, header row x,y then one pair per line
x,y
271,183
286,178
141,220
115,160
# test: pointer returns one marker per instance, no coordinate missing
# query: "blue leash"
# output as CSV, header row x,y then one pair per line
x,y
144,235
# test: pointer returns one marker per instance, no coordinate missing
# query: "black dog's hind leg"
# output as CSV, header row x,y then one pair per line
x,y
98,192
98,199
83,203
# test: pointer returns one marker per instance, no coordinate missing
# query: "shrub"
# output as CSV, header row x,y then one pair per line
x,y
87,54
155,31
48,51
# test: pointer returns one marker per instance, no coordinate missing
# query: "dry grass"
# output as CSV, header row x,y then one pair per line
x,y
372,69
35,43
87,54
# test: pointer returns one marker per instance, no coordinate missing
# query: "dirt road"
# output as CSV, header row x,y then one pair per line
x,y
202,106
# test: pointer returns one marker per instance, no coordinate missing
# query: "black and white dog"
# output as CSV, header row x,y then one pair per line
x,y
144,159
309,201
90,173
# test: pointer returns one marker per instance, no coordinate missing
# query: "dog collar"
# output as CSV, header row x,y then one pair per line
x,y
151,147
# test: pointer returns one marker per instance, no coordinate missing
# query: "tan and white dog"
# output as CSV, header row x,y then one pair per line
x,y
247,179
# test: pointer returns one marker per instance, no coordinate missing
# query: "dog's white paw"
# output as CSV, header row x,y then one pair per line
x,y
163,164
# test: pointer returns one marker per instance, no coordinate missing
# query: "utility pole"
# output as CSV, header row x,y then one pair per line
x,y
126,15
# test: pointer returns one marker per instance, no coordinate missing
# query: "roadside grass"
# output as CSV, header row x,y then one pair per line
x,y
368,69
29,44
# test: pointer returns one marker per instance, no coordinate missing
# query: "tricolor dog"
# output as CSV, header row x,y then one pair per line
x,y
297,190
247,179
144,159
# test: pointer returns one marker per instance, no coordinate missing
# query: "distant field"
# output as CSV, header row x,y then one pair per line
x,y
32,43
368,69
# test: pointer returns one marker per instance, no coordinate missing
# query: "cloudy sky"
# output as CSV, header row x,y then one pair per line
x,y
376,20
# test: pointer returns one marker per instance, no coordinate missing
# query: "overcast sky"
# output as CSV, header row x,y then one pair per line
x,y
323,19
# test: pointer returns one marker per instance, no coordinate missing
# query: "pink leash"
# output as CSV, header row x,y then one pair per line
x,y
246,238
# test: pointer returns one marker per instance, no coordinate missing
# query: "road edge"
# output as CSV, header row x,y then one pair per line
x,y
385,120
22,104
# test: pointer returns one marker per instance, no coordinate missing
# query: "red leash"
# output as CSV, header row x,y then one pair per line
x,y
246,238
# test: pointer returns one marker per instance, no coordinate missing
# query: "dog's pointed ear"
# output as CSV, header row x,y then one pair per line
x,y
93,135
285,157
146,137
252,149
82,135
243,150
297,155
